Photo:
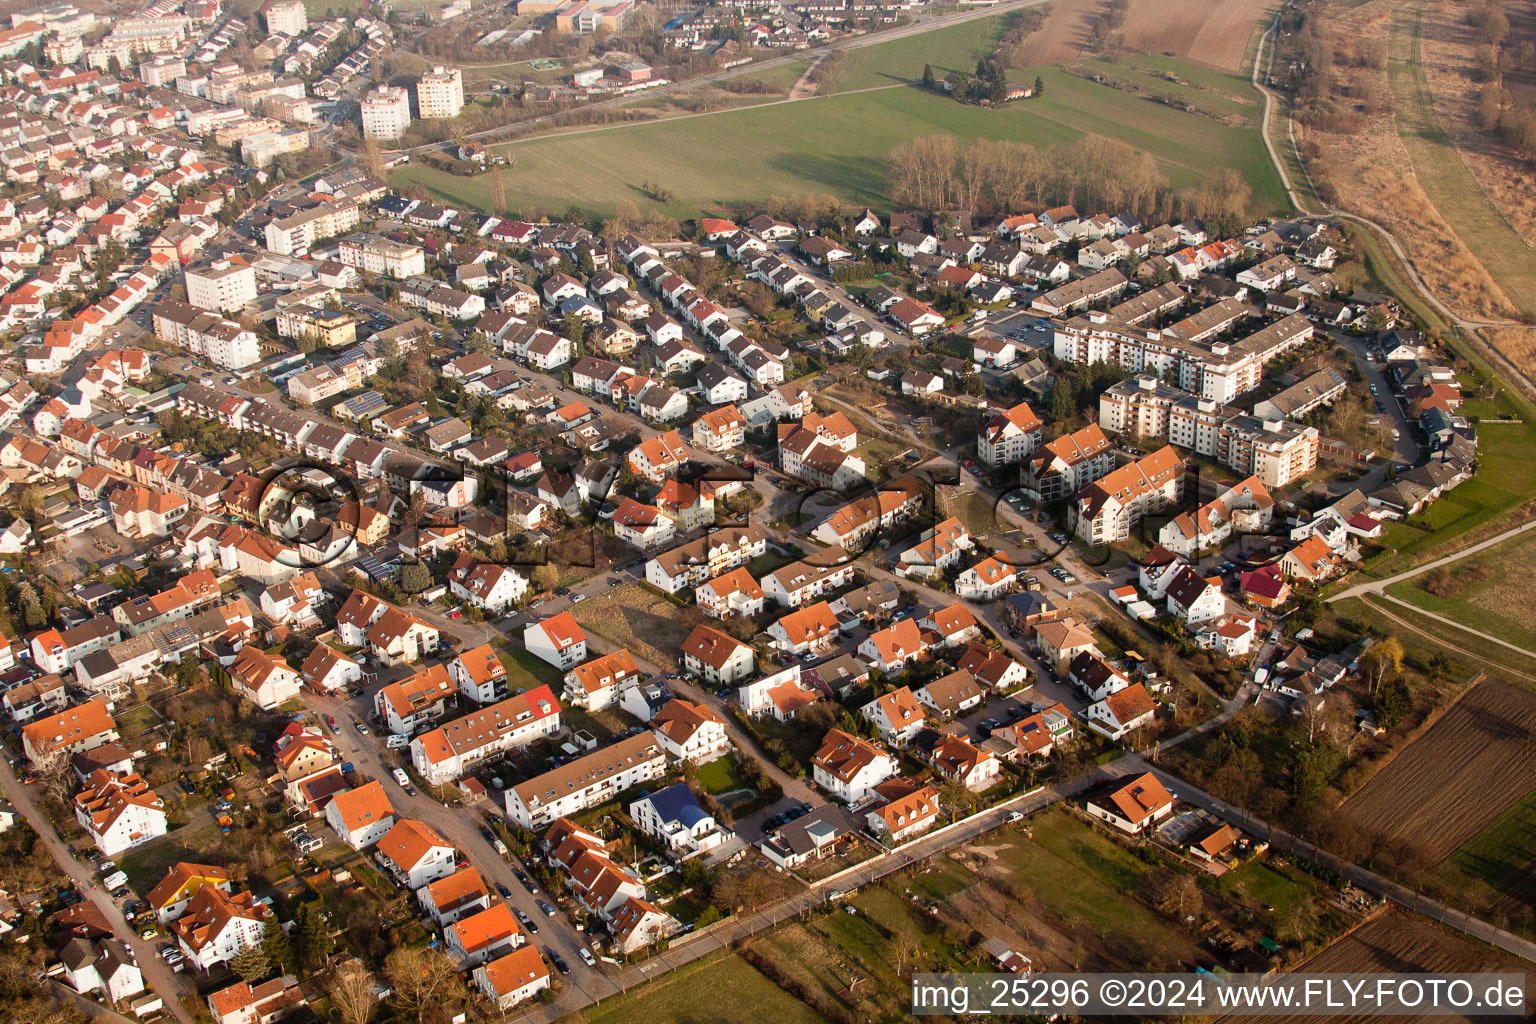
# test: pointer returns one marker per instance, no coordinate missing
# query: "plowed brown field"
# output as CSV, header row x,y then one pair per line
x,y
1448,784
1214,32
1399,942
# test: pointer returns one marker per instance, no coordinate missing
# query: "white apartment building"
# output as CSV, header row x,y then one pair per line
x,y
222,341
297,232
381,256
1218,370
287,18
586,781
453,748
440,93
222,286
386,113
1276,451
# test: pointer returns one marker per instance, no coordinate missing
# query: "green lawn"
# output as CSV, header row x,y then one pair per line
x,y
954,48
1503,855
1507,256
837,144
331,8
524,670
721,990
1079,875
147,865
720,776
1506,478
1256,882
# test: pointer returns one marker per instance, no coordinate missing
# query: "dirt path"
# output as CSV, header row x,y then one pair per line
x,y
1498,666
1380,586
1467,328
804,87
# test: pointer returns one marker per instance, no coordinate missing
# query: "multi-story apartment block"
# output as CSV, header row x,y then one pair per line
x,y
222,341
286,18
440,93
1106,510
453,748
1274,450
1219,370
381,256
297,232
586,781
386,113
1068,464
223,286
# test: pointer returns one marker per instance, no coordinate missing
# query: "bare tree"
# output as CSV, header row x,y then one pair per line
x,y
352,991
906,944
420,978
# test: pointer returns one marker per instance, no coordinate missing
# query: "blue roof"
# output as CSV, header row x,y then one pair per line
x,y
676,803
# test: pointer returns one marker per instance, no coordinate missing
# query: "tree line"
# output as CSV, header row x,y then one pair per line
x,y
987,177
1505,111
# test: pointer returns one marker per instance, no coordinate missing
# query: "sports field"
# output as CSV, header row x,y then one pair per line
x,y
838,145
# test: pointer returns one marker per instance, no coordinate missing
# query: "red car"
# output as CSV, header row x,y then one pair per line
x,y
455,614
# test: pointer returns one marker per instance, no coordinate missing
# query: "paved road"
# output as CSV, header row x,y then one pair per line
x,y
458,825
1362,877
1380,586
157,975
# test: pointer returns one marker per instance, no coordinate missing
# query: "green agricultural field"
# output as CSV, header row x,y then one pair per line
x,y
901,61
331,8
837,145
1503,252
736,992
1495,867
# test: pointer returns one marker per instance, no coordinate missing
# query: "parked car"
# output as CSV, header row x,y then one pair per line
x,y
547,910
506,893
559,962
526,921
586,956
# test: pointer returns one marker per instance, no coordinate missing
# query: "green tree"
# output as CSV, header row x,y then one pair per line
x,y
1063,405
253,963
545,576
278,948
311,937
1039,87
928,80
1393,702
415,577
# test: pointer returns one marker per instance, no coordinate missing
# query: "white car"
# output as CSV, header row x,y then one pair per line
x,y
401,777
586,956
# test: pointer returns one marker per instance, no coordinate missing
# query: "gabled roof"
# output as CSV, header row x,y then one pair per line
x,y
366,805
711,646
409,842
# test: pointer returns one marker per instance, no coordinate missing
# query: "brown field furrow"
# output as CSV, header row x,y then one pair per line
x,y
1448,784
1399,942
1214,32
1060,40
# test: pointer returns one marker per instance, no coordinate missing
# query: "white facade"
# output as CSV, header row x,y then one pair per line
x,y
222,287
386,113
440,93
